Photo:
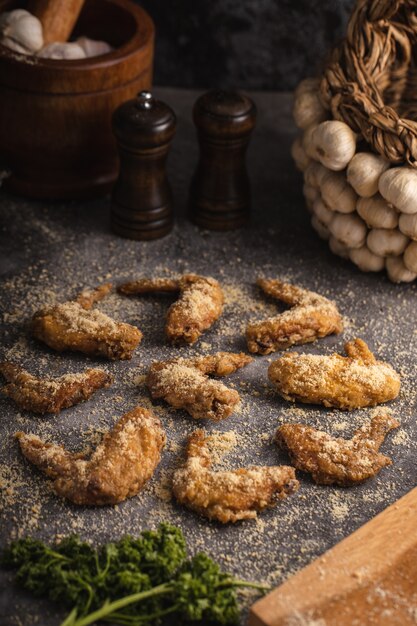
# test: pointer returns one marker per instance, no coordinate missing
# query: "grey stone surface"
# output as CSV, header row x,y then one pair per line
x,y
53,250
249,44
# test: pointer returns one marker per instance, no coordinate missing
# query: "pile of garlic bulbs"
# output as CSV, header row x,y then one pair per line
x,y
366,209
22,32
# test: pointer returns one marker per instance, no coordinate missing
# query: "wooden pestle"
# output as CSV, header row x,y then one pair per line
x,y
58,17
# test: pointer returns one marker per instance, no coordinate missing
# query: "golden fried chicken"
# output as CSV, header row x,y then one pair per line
x,y
333,460
184,384
51,395
312,316
118,469
199,305
350,382
76,326
228,496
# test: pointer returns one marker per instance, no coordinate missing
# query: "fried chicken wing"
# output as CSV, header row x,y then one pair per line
x,y
51,395
184,384
228,496
118,469
333,460
199,305
310,317
76,326
357,380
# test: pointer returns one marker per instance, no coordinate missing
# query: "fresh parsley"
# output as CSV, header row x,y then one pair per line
x,y
135,581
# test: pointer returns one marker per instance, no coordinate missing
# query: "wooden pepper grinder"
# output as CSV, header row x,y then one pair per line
x,y
220,190
142,200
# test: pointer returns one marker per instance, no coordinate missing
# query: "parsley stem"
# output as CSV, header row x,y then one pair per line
x,y
235,582
111,607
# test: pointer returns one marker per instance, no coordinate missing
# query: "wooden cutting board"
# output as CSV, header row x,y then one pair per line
x,y
368,579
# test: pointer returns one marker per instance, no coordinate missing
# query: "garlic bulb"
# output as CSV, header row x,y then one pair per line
x,y
307,84
410,257
66,51
322,212
366,260
408,225
336,192
397,271
21,31
386,242
364,171
314,174
92,47
399,187
299,155
338,248
376,212
310,193
350,230
307,142
334,144
320,228
308,109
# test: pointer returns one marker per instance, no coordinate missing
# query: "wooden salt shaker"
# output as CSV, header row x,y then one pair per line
x,y
141,200
220,190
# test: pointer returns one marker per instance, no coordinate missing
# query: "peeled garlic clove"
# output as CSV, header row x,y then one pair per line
x,y
334,144
410,257
14,45
66,51
310,193
376,212
93,48
314,174
397,271
22,28
321,229
337,193
386,242
408,225
301,159
366,260
349,230
399,187
338,248
364,171
308,109
322,212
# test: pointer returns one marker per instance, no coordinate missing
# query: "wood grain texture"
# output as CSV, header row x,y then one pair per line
x,y
55,116
368,578
58,17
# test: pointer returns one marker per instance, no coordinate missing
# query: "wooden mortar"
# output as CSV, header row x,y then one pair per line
x,y
55,115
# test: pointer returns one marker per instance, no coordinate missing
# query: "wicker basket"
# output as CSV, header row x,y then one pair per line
x,y
358,147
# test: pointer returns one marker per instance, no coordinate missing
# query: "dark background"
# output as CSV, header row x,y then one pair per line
x,y
246,44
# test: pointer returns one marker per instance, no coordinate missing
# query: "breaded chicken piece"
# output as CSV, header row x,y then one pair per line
x,y
199,305
184,384
333,460
50,395
118,469
76,326
312,316
351,382
228,496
